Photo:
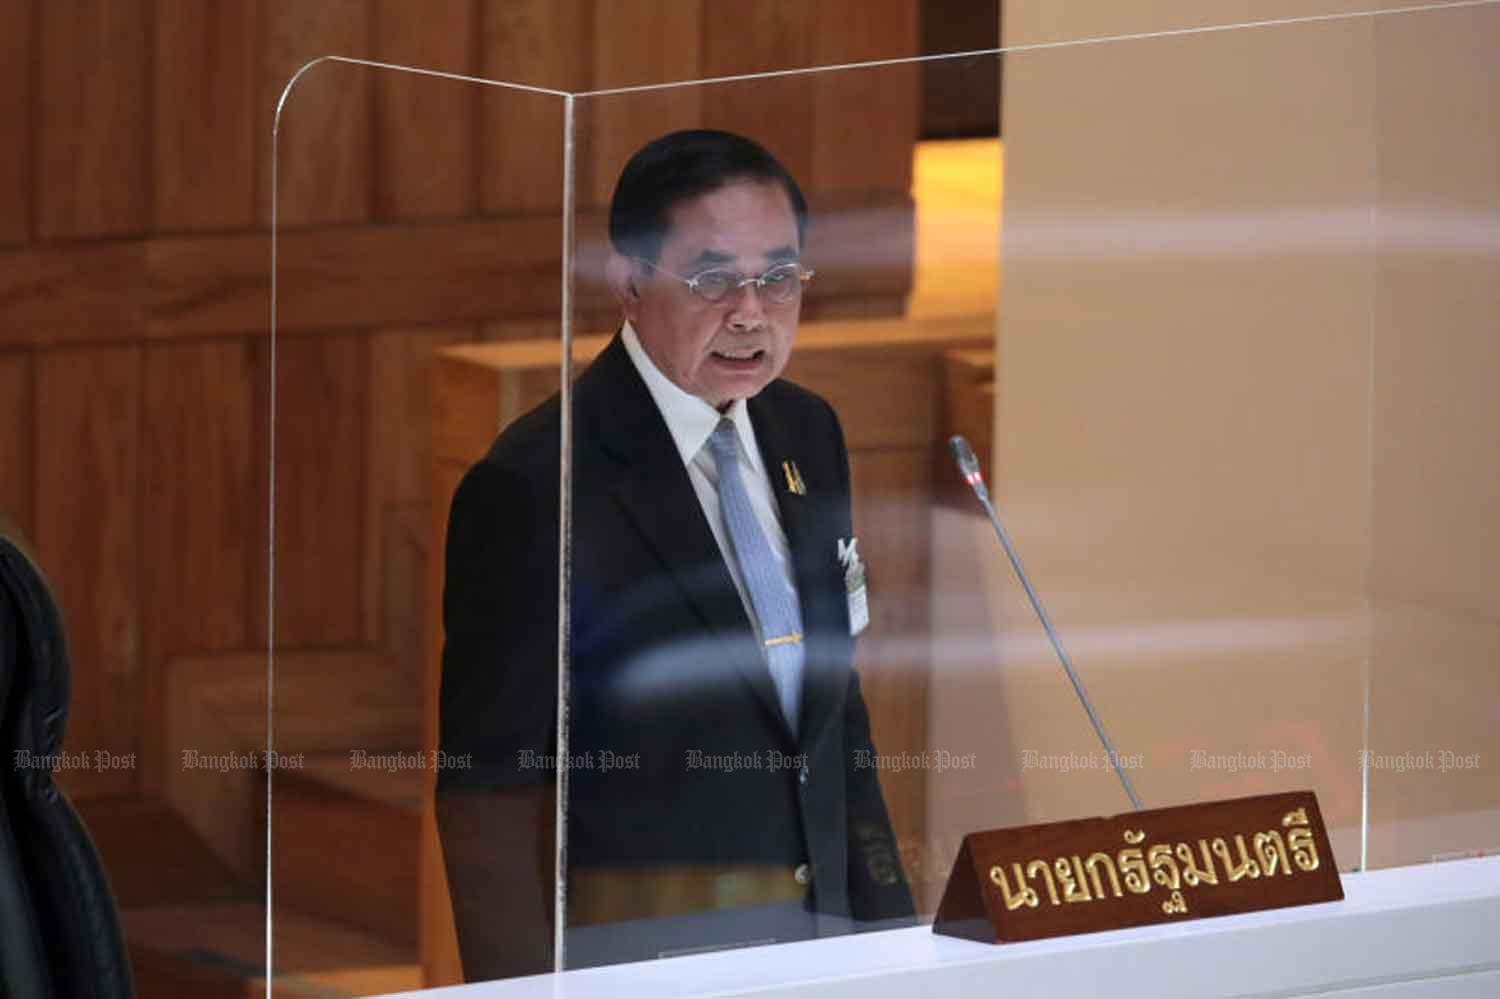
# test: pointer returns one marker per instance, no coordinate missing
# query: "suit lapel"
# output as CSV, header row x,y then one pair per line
x,y
813,548
653,489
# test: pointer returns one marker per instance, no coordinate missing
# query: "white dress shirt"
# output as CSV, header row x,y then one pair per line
x,y
690,421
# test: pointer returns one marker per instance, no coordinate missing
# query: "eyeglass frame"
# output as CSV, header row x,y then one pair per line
x,y
804,275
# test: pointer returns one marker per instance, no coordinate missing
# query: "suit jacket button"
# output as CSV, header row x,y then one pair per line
x,y
802,777
802,875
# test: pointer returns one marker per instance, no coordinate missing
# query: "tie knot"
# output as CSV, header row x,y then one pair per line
x,y
723,443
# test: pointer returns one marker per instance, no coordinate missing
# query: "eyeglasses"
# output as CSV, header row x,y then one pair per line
x,y
779,285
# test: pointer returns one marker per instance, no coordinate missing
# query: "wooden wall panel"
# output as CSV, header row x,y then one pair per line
x,y
639,41
428,272
425,127
545,43
94,109
851,104
201,463
321,384
399,443
87,474
778,113
85,292
200,469
325,169
17,21
206,114
16,427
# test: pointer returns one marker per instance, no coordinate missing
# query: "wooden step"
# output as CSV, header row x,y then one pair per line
x,y
346,840
216,709
218,952
154,857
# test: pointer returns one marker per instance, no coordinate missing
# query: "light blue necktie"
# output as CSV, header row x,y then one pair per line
x,y
775,603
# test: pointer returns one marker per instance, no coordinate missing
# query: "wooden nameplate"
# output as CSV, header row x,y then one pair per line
x,y
1140,868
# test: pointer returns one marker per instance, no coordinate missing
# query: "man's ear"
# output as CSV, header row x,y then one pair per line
x,y
619,273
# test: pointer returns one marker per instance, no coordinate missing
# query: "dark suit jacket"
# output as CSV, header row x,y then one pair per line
x,y
680,756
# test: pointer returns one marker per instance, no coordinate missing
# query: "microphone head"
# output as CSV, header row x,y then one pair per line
x,y
968,464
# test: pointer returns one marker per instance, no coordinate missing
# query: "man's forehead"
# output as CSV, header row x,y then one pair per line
x,y
739,220
721,258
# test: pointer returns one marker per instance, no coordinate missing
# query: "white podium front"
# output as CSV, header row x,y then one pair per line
x,y
1429,931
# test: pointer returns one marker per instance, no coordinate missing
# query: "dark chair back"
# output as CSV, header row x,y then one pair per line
x,y
62,937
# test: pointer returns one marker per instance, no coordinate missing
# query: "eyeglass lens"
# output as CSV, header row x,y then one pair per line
x,y
779,284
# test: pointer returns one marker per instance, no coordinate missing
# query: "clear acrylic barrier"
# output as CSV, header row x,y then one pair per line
x,y
1432,752
1181,423
1227,390
419,237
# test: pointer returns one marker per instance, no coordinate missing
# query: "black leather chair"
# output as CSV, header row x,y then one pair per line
x,y
61,935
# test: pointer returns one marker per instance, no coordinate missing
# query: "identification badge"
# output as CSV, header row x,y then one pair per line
x,y
854,586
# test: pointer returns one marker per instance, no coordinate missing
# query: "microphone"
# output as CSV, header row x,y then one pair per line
x,y
968,467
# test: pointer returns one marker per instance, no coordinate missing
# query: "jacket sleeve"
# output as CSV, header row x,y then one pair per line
x,y
497,707
496,721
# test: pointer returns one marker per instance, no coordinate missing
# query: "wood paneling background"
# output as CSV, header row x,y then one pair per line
x,y
207,78
17,23
87,476
93,114
135,361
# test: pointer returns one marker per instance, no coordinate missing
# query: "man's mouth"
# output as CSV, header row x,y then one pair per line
x,y
747,355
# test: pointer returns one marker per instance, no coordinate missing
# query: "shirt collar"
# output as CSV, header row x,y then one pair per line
x,y
688,417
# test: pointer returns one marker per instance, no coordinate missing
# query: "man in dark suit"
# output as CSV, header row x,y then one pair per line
x,y
720,786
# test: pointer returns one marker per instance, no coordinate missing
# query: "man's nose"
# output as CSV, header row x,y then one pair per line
x,y
747,310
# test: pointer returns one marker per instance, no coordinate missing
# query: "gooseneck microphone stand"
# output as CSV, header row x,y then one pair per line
x,y
968,465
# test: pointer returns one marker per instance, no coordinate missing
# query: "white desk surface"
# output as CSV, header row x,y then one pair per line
x,y
1429,930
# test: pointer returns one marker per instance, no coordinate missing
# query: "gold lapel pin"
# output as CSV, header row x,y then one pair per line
x,y
793,478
